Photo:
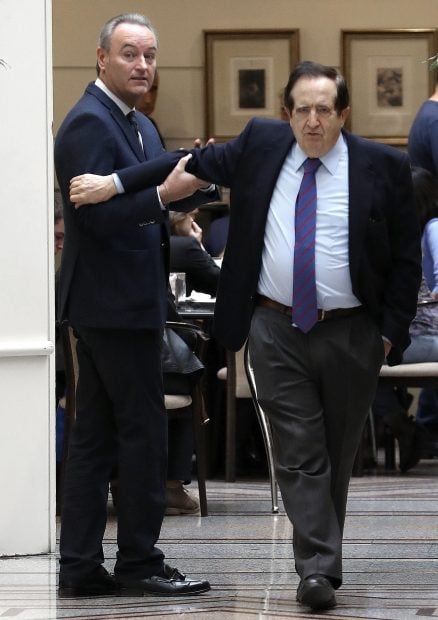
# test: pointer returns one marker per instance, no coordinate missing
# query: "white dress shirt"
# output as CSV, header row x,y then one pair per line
x,y
332,273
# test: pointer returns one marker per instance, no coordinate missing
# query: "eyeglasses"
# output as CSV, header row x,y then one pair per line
x,y
322,111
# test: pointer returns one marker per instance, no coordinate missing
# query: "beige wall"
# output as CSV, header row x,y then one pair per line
x,y
180,110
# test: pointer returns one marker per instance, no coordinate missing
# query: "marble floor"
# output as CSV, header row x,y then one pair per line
x,y
391,566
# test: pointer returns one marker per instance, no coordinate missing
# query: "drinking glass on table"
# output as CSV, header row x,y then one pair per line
x,y
177,282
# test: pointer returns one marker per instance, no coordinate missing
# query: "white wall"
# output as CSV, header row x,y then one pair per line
x,y
27,522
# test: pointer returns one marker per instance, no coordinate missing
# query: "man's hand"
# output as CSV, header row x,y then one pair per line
x,y
197,143
91,189
180,184
196,231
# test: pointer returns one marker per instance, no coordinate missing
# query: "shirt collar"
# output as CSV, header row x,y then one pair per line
x,y
330,159
119,103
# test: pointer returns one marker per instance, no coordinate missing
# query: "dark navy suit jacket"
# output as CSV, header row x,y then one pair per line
x,y
114,269
384,237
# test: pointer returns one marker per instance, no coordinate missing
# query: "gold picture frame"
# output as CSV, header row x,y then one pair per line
x,y
388,79
246,71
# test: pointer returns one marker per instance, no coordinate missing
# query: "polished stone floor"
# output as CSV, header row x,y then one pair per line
x,y
391,566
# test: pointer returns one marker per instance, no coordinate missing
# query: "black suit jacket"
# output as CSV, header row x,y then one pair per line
x,y
115,264
202,273
384,236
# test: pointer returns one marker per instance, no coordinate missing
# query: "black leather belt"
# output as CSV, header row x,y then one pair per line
x,y
323,315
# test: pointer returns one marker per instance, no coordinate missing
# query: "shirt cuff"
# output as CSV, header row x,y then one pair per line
x,y
207,190
162,206
117,182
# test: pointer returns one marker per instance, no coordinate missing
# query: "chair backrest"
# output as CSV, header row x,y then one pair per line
x,y
421,374
234,374
242,385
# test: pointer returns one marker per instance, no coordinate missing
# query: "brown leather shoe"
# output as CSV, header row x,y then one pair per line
x,y
180,501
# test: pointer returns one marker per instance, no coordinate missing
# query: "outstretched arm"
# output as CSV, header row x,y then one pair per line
x,y
179,184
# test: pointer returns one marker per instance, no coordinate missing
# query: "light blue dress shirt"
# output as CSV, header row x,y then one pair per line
x,y
332,272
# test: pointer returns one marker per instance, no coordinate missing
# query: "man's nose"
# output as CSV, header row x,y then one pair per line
x,y
313,118
141,63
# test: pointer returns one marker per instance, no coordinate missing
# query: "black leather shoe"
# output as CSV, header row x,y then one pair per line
x,y
98,583
317,592
409,456
170,583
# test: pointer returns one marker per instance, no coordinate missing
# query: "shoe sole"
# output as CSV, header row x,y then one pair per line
x,y
181,511
127,592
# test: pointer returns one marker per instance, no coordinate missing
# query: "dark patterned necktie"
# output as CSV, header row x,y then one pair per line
x,y
304,306
133,121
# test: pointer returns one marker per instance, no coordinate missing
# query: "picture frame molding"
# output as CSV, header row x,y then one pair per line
x,y
396,138
223,127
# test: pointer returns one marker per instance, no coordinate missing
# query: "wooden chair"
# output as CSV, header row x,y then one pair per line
x,y
176,404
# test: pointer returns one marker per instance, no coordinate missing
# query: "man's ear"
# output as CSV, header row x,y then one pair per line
x,y
344,114
101,58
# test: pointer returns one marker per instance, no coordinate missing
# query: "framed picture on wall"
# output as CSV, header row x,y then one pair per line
x,y
388,79
246,71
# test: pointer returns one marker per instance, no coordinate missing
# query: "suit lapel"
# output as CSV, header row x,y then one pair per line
x,y
273,153
361,177
119,118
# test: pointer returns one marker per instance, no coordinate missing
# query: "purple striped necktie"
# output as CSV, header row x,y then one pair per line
x,y
304,306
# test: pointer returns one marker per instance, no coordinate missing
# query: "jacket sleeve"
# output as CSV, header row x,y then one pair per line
x,y
154,172
74,156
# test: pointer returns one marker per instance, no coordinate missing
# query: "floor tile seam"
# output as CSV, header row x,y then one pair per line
x,y
168,541
386,495
408,497
390,513
267,558
390,541
233,513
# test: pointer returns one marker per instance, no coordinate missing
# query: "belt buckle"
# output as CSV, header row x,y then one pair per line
x,y
322,316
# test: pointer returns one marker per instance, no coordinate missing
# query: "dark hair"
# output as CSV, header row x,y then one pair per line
x,y
426,195
58,210
308,68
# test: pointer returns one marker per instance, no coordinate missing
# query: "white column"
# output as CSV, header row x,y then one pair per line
x,y
27,432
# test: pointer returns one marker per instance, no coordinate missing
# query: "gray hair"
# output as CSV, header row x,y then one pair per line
x,y
125,18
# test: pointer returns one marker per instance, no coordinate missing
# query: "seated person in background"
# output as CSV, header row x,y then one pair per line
x,y
188,255
180,442
216,239
392,404
180,437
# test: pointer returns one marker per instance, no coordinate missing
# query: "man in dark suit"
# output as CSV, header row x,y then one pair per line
x,y
113,290
187,254
316,382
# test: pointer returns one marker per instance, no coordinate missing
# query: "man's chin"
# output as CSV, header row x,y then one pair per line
x,y
313,146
